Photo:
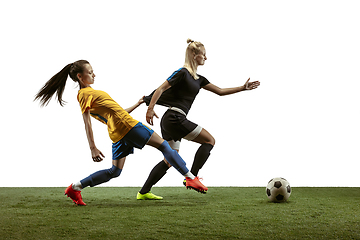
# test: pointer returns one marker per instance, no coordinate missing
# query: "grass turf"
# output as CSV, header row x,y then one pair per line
x,y
223,213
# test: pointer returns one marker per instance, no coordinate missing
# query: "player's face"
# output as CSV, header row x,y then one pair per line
x,y
201,57
88,76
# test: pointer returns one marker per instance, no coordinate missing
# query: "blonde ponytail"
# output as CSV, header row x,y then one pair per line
x,y
192,50
189,40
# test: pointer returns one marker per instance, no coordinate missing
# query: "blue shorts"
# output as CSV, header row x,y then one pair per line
x,y
137,137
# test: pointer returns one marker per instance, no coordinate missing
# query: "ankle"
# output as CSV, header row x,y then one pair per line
x,y
77,186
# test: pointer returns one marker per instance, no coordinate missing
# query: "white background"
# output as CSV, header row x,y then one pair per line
x,y
302,123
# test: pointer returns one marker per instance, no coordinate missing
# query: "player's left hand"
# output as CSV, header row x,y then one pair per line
x,y
141,101
251,85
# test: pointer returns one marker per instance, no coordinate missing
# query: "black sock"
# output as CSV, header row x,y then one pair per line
x,y
201,156
155,175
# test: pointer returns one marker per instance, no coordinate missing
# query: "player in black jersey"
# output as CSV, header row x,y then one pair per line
x,y
178,93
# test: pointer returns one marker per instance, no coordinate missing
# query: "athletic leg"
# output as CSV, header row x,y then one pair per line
x,y
105,175
74,190
170,155
156,173
180,125
101,176
207,142
177,162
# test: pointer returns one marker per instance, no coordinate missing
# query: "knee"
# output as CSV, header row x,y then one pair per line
x,y
174,150
114,172
167,163
205,137
211,141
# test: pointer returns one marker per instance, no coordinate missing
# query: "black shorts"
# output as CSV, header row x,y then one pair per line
x,y
175,126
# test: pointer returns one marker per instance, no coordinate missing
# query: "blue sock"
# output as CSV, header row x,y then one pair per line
x,y
173,158
101,177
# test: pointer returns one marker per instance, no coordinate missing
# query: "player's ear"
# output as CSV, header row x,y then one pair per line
x,y
79,76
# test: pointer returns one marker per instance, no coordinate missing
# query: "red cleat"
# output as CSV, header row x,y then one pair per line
x,y
74,195
196,185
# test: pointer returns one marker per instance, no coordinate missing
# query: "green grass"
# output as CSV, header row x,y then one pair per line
x,y
223,213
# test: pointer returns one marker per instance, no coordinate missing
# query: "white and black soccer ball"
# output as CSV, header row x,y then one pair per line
x,y
278,190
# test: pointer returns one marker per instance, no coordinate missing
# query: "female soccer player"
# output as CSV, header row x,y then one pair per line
x,y
125,132
178,93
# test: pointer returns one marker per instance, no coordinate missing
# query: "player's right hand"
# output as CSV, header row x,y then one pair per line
x,y
97,155
150,116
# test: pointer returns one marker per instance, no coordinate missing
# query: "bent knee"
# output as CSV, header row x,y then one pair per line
x,y
205,137
167,163
211,141
114,172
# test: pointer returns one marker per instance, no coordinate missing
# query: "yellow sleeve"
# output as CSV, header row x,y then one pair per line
x,y
85,101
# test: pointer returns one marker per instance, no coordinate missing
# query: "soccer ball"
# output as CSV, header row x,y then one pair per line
x,y
278,190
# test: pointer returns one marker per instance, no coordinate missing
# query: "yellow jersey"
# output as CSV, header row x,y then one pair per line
x,y
103,108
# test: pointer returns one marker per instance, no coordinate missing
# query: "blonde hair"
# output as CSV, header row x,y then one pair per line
x,y
192,50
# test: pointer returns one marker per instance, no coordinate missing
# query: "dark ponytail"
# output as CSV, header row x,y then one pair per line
x,y
57,83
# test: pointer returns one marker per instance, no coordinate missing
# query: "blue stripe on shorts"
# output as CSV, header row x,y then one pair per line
x,y
137,137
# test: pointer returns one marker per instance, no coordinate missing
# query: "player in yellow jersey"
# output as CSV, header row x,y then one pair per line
x,y
125,132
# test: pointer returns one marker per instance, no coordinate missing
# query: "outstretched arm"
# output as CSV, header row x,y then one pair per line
x,y
150,112
132,108
226,91
96,154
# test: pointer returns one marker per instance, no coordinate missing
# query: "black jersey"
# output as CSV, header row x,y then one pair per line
x,y
183,91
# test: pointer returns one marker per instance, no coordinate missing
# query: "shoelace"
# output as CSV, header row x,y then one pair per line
x,y
200,178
